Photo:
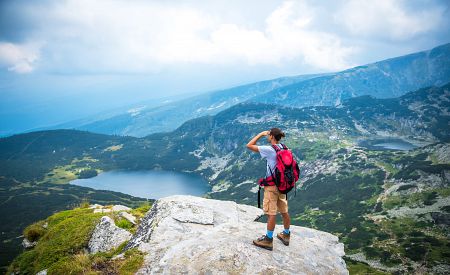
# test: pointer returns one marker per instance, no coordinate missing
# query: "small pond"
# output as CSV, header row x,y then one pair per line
x,y
386,144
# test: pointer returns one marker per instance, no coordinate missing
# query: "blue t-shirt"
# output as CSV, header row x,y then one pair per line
x,y
267,152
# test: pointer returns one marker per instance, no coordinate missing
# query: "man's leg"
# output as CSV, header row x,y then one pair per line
x,y
286,220
270,209
283,207
271,220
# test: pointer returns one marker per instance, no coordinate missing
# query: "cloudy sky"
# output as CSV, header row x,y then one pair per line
x,y
60,60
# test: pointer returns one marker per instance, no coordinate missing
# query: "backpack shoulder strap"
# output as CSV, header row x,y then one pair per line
x,y
276,148
284,146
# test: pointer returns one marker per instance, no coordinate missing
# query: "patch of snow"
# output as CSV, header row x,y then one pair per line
x,y
217,106
244,182
135,111
245,119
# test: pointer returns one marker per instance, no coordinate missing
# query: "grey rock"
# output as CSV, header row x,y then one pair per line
x,y
27,244
94,206
102,210
42,272
193,235
119,207
107,236
120,256
128,216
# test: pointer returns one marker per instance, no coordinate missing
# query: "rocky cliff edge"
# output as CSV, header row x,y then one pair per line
x,y
193,235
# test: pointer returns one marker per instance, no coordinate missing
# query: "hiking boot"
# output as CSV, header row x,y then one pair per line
x,y
284,237
264,242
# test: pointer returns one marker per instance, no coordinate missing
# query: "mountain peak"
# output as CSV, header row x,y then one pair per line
x,y
187,234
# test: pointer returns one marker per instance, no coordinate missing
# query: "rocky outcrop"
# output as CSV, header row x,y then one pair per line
x,y
28,244
187,234
107,236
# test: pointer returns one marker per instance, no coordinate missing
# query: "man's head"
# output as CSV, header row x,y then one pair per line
x,y
275,134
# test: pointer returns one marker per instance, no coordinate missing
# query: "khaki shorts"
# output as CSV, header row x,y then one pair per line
x,y
274,201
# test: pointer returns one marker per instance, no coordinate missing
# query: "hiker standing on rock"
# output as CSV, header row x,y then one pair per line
x,y
273,201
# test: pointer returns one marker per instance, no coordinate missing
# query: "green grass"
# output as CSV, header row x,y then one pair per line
x,y
100,263
34,231
68,232
387,166
60,247
140,211
124,223
357,268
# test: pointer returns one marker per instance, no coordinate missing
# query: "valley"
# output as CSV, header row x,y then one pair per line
x,y
389,207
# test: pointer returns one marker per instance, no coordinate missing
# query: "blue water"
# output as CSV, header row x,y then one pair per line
x,y
387,144
147,184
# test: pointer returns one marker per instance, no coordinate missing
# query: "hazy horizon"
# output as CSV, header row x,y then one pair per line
x,y
61,61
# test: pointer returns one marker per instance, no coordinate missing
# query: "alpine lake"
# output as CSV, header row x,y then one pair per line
x,y
386,144
147,184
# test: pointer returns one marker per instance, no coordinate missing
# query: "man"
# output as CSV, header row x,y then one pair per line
x,y
273,201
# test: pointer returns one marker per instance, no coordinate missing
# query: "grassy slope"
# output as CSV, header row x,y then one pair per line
x,y
61,240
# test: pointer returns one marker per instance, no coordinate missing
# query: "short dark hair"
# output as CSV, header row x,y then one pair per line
x,y
277,133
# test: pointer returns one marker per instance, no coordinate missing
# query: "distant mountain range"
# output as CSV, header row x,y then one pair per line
x,y
147,118
385,79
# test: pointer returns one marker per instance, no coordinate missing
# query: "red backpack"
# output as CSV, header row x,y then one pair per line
x,y
286,172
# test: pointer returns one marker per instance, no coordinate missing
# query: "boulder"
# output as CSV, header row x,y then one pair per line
x,y
119,207
128,216
107,236
94,206
193,235
27,244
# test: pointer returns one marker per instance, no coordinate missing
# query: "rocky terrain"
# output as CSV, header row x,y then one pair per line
x,y
193,235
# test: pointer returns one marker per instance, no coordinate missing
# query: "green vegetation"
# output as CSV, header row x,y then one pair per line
x,y
357,268
87,173
60,247
35,231
68,232
23,204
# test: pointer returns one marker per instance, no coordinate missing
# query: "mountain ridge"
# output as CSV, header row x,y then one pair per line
x,y
388,78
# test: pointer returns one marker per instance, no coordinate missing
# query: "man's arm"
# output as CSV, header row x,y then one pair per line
x,y
252,143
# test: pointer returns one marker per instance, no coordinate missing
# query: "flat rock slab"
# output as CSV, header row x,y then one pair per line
x,y
193,235
119,207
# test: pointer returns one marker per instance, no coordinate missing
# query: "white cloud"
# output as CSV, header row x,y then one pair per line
x,y
115,36
18,58
389,19
86,36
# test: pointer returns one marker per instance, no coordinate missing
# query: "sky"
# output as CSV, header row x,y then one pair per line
x,y
62,60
